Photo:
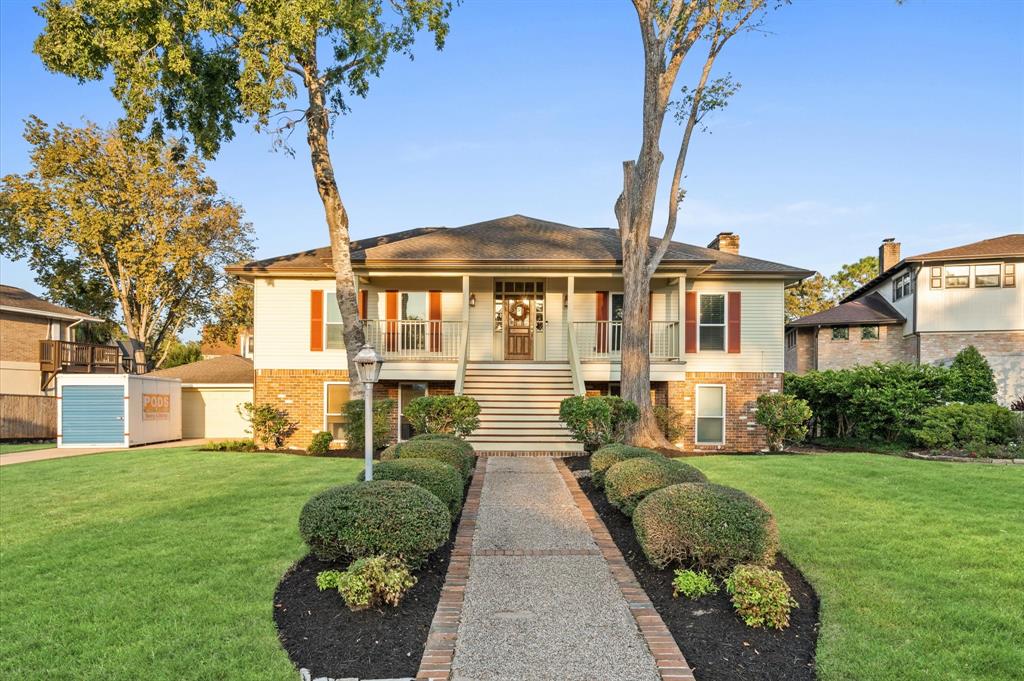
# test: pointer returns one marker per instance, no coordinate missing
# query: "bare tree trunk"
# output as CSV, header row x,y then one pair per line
x,y
318,126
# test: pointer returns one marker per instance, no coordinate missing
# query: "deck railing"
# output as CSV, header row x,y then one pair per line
x,y
602,341
85,358
413,339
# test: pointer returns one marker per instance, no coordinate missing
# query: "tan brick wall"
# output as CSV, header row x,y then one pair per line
x,y
1004,351
890,347
742,434
799,359
20,336
300,394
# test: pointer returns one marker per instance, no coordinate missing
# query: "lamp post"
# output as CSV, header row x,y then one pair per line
x,y
368,364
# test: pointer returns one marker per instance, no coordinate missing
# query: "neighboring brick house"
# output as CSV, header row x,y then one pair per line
x,y
520,313
25,321
925,309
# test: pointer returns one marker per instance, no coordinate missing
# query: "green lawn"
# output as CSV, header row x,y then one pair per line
x,y
27,447
919,564
156,564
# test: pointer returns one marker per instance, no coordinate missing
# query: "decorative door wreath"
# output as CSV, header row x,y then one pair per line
x,y
519,312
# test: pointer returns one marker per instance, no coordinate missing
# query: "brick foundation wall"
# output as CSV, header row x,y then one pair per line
x,y
300,393
1004,351
742,434
890,347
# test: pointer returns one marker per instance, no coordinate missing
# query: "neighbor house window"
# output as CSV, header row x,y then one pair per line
x,y
902,285
711,414
334,338
986,276
407,392
936,277
869,333
958,276
712,321
840,333
335,399
791,338
1009,275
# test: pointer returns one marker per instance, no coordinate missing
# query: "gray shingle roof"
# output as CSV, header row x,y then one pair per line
x,y
872,309
515,239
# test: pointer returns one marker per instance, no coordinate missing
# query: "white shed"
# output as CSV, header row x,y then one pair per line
x,y
117,410
212,390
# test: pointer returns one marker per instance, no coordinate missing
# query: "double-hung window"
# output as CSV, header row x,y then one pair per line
x,y
711,414
711,332
986,276
1009,275
902,285
334,338
840,333
869,333
335,399
958,276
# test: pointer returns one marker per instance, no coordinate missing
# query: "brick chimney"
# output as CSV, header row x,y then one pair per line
x,y
727,242
888,255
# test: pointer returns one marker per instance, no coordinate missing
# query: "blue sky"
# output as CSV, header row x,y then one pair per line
x,y
856,121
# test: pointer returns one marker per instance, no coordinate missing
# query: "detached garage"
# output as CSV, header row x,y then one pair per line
x,y
117,410
211,392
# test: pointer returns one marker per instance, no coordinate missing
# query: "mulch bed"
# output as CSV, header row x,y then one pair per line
x,y
321,634
715,642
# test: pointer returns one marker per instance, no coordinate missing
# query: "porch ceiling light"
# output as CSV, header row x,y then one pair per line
x,y
368,364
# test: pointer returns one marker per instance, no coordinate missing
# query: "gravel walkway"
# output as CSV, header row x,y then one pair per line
x,y
540,602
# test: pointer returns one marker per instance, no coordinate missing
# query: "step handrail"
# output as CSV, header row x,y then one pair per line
x,y
574,364
460,372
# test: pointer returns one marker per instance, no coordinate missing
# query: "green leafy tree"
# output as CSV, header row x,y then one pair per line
x,y
851,277
970,378
232,314
132,230
203,67
669,29
181,353
807,297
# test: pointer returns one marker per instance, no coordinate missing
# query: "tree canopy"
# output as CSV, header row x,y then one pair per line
x,y
819,293
131,231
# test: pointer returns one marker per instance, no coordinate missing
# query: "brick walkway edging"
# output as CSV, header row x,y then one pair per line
x,y
439,653
672,666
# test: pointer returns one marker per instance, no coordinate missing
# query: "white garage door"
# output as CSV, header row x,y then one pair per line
x,y
212,411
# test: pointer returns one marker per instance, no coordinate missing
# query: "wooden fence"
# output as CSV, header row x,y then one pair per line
x,y
28,417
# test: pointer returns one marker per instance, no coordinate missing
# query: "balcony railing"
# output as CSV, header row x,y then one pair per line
x,y
602,341
412,339
84,358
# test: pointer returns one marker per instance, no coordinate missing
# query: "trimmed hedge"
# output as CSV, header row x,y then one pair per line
x,y
439,478
457,414
628,482
439,450
705,525
370,518
453,440
966,426
597,420
609,455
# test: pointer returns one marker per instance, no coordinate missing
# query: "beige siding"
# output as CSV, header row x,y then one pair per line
x,y
761,328
555,331
905,305
970,309
213,411
481,326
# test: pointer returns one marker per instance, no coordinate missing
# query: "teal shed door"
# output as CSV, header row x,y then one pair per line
x,y
92,414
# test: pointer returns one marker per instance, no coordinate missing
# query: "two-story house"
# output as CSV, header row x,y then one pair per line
x,y
520,313
925,309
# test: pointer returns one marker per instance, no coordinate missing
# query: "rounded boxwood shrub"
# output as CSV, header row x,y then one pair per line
x,y
439,450
609,455
708,526
454,440
628,482
379,517
438,478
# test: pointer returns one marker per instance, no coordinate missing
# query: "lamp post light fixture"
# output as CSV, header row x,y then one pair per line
x,y
368,364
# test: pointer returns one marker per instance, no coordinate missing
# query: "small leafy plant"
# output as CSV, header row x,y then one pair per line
x,y
268,425
597,421
761,596
693,584
783,417
321,444
452,414
369,582
354,420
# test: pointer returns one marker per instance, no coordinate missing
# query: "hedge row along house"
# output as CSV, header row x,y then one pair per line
x,y
520,313
924,309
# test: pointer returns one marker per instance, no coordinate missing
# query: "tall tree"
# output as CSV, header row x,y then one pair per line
x,y
819,293
202,67
668,31
232,314
134,226
851,277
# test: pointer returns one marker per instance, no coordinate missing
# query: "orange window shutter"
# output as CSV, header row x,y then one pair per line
x,y
434,314
734,321
691,321
601,315
316,321
363,297
391,314
650,305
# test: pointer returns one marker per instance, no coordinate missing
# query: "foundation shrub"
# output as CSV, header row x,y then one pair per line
x,y
628,482
761,596
609,455
438,450
439,478
783,417
320,444
970,378
365,519
267,424
453,440
453,414
705,526
355,418
966,426
599,420
369,582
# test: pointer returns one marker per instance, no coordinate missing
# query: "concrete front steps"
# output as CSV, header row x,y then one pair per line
x,y
519,406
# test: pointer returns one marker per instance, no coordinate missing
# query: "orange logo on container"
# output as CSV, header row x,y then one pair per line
x,y
156,406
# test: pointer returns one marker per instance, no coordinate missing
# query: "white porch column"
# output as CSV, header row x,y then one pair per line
x,y
465,303
681,314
